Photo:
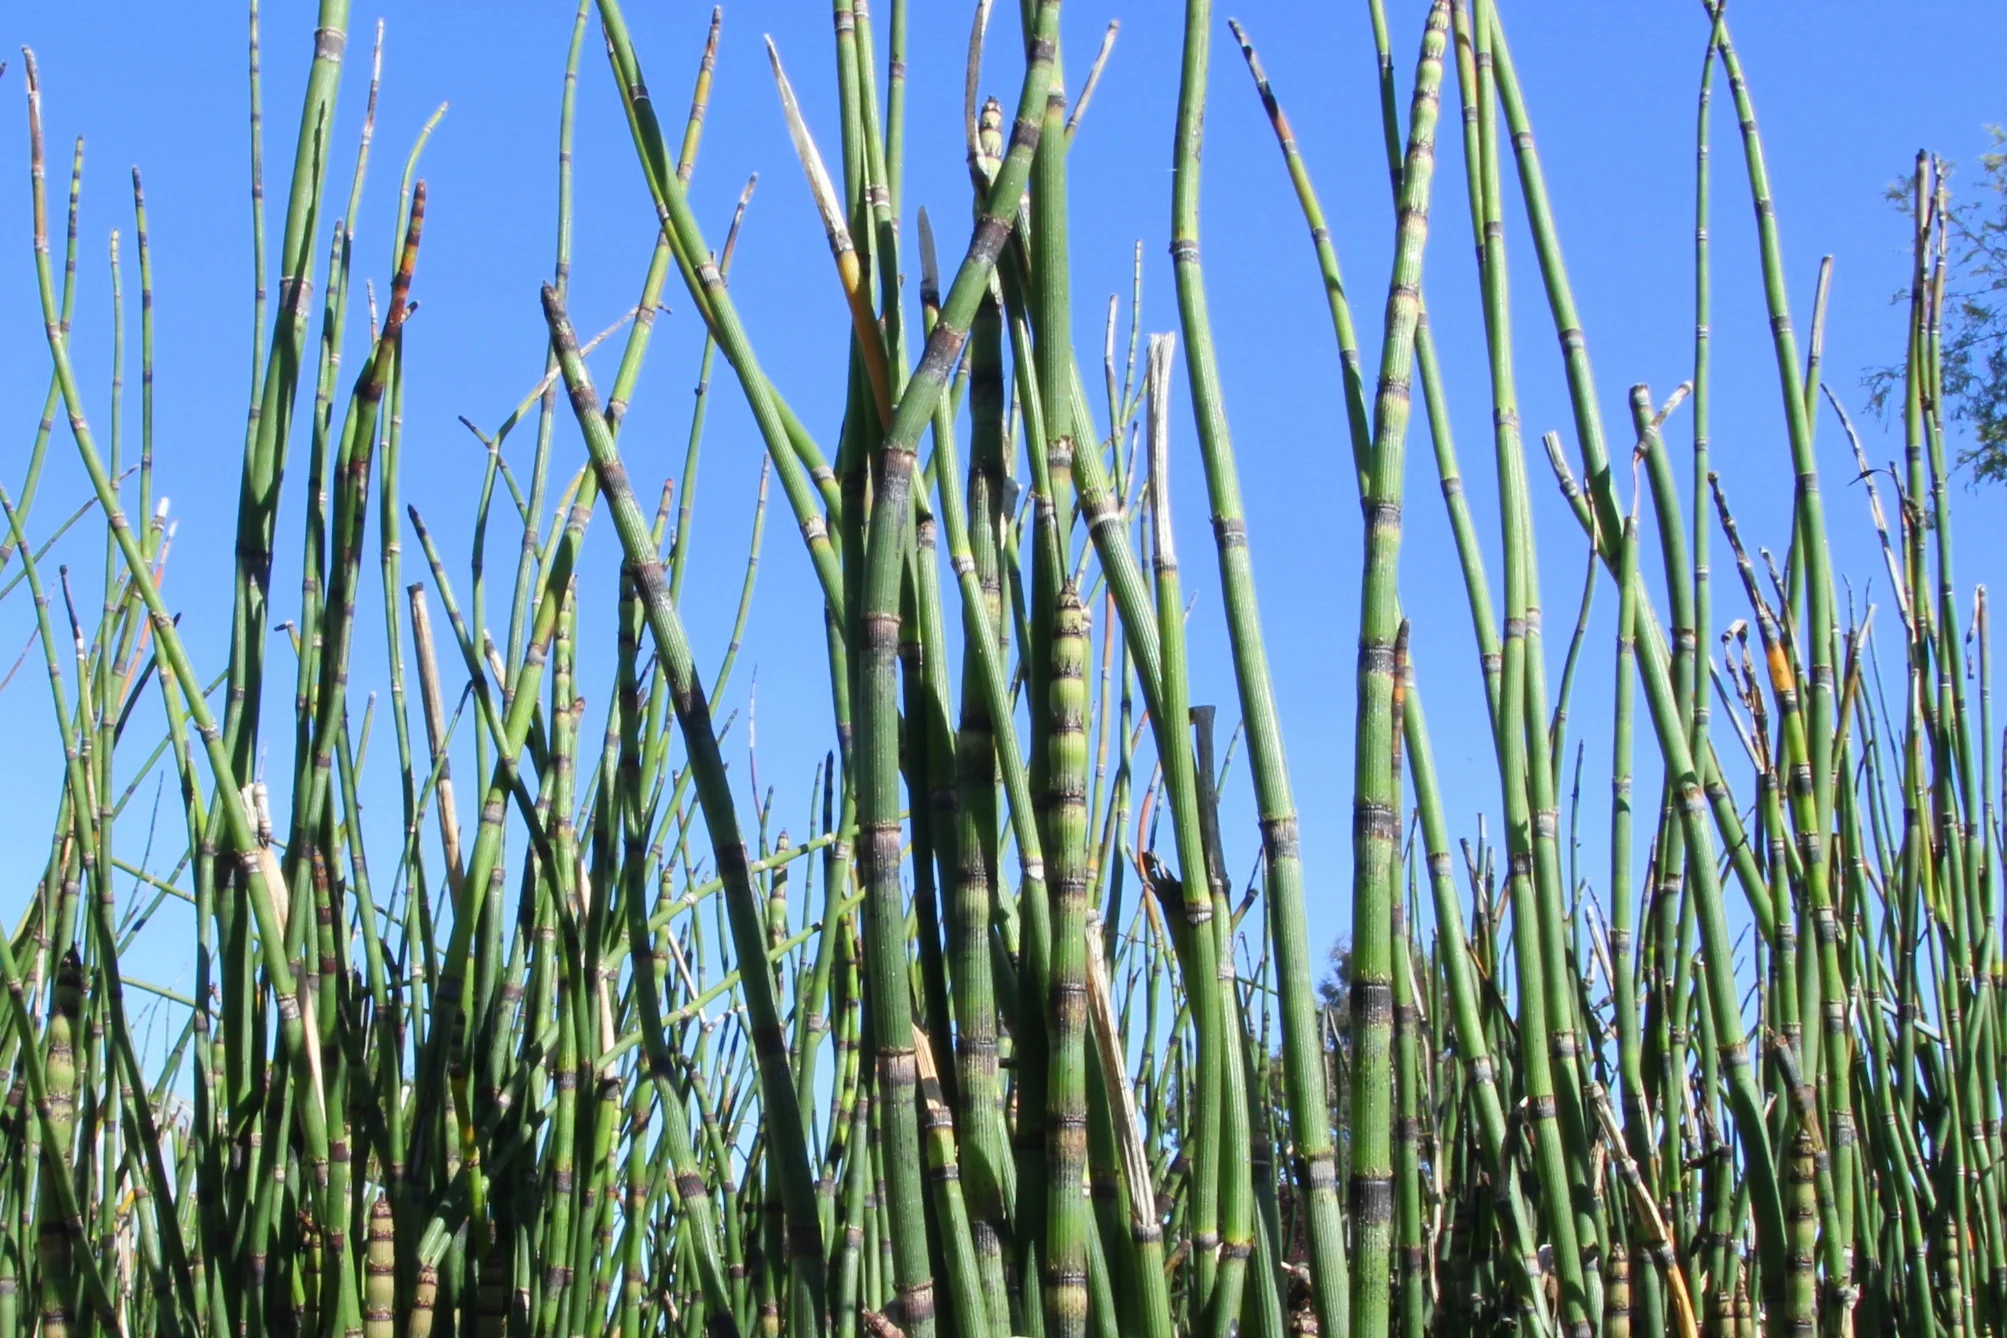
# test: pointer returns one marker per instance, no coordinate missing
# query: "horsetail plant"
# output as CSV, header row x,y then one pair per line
x,y
594,1038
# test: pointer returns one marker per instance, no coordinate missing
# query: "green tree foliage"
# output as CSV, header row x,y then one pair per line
x,y
1974,317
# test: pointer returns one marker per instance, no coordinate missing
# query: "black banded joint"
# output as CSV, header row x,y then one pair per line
x,y
881,632
944,348
1383,512
1374,821
1372,1002
1067,1126
1099,508
585,403
295,291
1280,838
1372,1200
916,1302
882,843
1376,657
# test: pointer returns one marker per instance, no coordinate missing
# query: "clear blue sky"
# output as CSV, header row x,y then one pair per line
x,y
1846,94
